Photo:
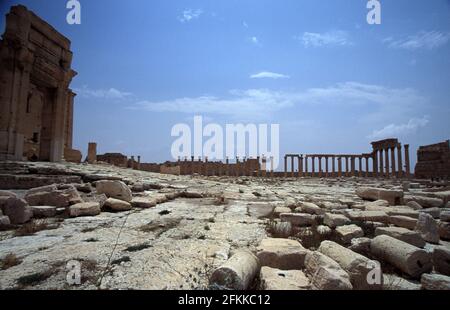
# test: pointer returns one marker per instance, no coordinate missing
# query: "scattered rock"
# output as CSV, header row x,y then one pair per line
x,y
143,203
360,245
43,211
4,222
371,216
435,282
282,254
334,220
356,265
278,210
84,209
428,228
311,208
237,273
7,194
298,219
117,205
406,257
414,205
325,273
434,212
403,234
395,283
114,189
347,232
276,279
445,216
444,230
17,210
403,221
441,260
425,202
394,197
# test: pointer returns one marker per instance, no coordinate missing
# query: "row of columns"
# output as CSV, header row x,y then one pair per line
x,y
384,164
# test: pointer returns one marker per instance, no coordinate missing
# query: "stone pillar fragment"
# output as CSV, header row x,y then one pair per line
x,y
407,164
92,153
400,161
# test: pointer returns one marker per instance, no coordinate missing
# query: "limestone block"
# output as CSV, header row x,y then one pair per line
x,y
43,211
278,210
298,219
281,253
311,208
441,260
394,197
114,189
371,216
444,230
325,273
403,221
84,209
17,210
428,228
116,205
276,279
393,282
435,282
334,220
347,232
425,202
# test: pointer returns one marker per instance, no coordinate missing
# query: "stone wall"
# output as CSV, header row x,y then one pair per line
x,y
433,161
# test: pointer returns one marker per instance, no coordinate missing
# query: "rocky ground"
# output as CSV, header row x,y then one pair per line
x,y
131,229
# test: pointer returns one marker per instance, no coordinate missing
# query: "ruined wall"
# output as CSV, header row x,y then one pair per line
x,y
433,161
115,159
36,104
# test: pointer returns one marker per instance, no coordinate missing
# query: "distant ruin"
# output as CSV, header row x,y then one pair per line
x,y
36,103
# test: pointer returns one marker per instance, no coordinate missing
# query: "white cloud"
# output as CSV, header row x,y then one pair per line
x,y
111,93
332,38
254,40
189,15
259,103
244,23
394,130
269,75
422,40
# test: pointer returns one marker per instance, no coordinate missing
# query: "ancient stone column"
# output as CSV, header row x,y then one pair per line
x,y
393,168
367,166
347,167
285,166
139,162
300,166
292,166
271,166
313,172
352,160
360,166
227,167
339,166
92,153
326,166
333,164
381,167
238,167
320,166
386,153
375,163
306,166
400,161
407,164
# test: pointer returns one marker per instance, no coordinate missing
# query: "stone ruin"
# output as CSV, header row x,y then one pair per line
x,y
433,161
386,160
36,103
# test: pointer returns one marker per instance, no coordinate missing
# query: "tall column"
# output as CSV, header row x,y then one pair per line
x,y
367,166
347,167
326,166
394,172
139,162
375,163
339,166
360,166
407,165
313,166
300,166
227,167
352,160
400,161
386,152
292,166
333,165
306,165
320,166
271,166
381,167
285,166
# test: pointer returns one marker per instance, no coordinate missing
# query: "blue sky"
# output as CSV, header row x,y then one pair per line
x,y
332,82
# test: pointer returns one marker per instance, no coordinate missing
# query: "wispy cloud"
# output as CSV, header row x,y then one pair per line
x,y
422,40
189,15
269,75
254,40
111,93
263,102
331,38
395,130
244,23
